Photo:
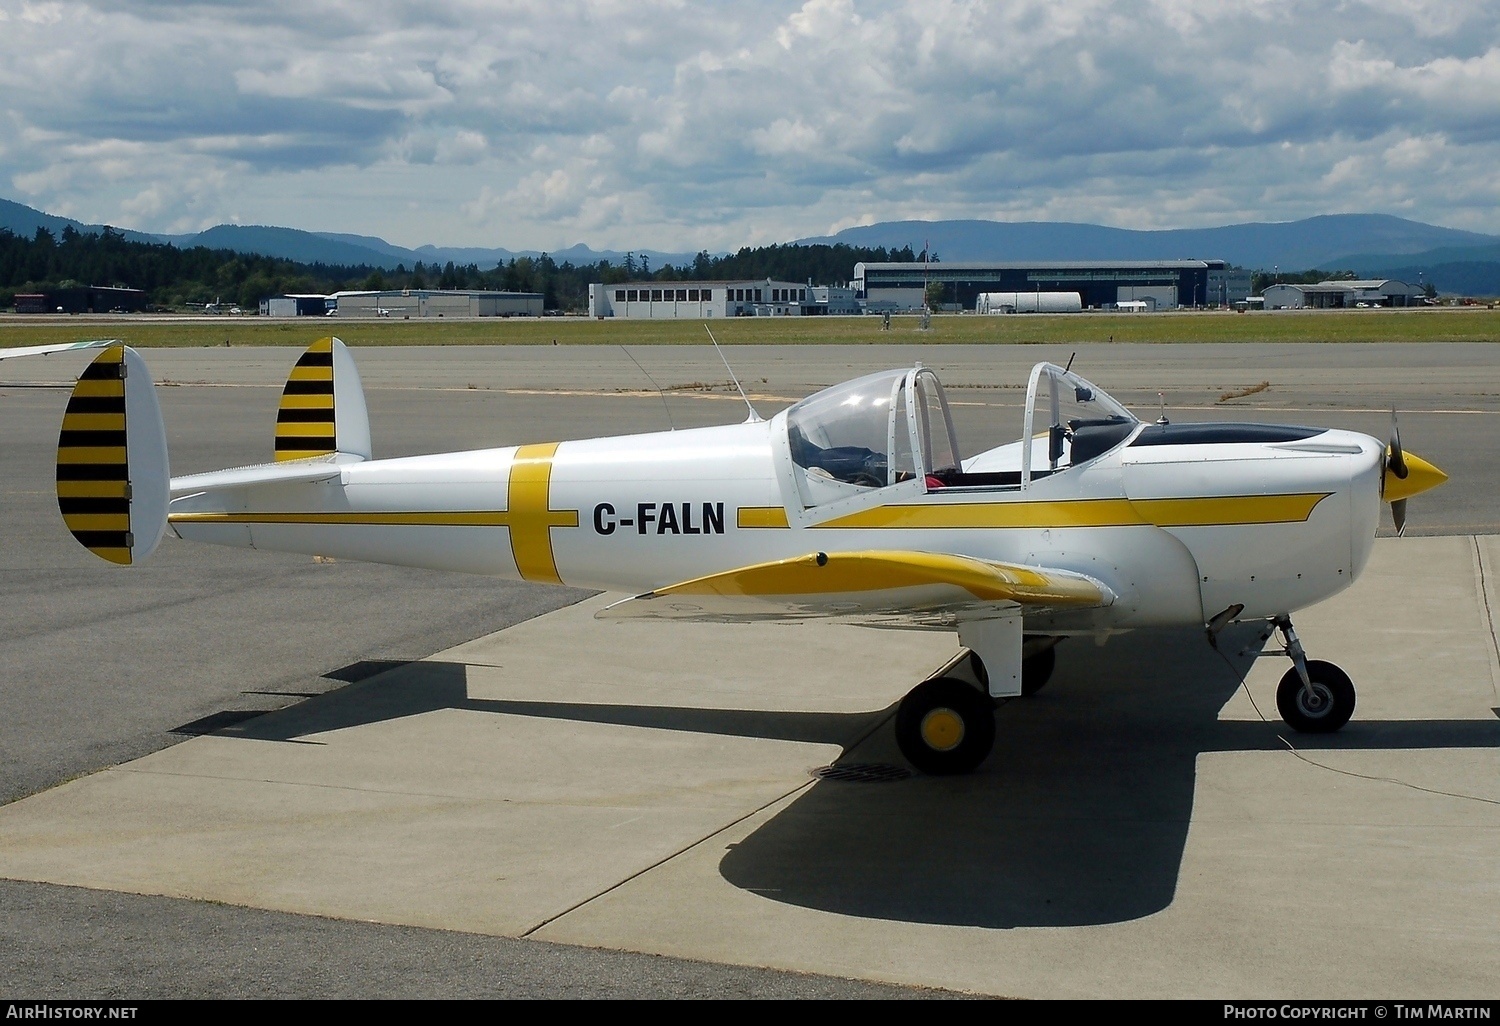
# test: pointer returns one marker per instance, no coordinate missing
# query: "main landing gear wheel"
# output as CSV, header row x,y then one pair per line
x,y
1321,709
945,726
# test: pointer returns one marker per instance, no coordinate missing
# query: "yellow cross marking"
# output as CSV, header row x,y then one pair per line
x,y
531,516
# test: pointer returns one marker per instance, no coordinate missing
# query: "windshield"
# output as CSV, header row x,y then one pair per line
x,y
844,431
1069,422
872,432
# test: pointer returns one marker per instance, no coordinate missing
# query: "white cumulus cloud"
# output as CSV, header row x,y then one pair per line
x,y
687,124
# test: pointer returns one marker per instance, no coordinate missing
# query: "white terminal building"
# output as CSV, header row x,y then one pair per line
x,y
706,300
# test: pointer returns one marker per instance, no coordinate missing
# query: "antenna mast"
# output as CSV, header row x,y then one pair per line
x,y
754,418
654,385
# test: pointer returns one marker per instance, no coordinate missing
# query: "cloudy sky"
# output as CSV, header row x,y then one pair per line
x,y
680,125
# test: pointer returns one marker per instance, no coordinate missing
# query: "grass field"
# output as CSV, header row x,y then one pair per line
x,y
1423,325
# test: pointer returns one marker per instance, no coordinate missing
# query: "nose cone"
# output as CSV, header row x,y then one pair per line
x,y
1420,476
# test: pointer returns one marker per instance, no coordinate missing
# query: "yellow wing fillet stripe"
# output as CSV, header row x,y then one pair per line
x,y
844,573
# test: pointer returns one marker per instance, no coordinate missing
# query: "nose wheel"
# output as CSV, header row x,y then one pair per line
x,y
1314,696
945,726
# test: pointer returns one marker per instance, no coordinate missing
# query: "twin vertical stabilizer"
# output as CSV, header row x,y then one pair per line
x,y
323,406
113,479
112,473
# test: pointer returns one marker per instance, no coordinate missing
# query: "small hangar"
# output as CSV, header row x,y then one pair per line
x,y
1340,295
407,303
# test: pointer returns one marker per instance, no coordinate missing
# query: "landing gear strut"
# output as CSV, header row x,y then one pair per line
x,y
1038,660
1314,697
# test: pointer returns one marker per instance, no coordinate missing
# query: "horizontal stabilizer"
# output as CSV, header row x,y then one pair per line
x,y
57,347
301,472
112,473
889,587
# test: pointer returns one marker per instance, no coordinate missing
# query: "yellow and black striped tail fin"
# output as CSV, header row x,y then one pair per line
x,y
323,406
112,473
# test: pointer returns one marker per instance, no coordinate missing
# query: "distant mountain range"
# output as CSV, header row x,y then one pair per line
x,y
1373,245
1316,242
325,247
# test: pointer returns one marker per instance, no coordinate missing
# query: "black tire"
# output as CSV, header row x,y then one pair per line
x,y
1036,670
1333,698
945,726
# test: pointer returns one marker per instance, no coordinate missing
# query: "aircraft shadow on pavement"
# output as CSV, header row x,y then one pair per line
x,y
1079,817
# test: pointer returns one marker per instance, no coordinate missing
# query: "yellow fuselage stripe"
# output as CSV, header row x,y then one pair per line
x,y
761,516
1187,512
474,518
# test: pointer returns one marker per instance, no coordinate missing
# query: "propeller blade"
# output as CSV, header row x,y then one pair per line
x,y
1398,514
1395,459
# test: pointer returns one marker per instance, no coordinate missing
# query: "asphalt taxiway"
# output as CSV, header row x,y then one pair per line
x,y
241,773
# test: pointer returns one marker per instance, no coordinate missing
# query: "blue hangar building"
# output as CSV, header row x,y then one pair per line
x,y
1101,285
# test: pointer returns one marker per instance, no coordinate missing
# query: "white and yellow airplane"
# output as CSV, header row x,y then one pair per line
x,y
854,504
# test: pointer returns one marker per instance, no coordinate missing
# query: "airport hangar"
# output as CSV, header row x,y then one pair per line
x,y
406,304
1339,295
1100,284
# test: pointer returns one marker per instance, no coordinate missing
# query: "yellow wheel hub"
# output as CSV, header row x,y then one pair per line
x,y
942,730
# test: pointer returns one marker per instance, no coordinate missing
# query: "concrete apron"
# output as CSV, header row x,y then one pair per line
x,y
1138,832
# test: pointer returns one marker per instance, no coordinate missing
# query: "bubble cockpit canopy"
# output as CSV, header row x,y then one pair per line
x,y
895,426
872,432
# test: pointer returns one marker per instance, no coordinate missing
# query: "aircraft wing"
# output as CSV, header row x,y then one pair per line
x,y
891,588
